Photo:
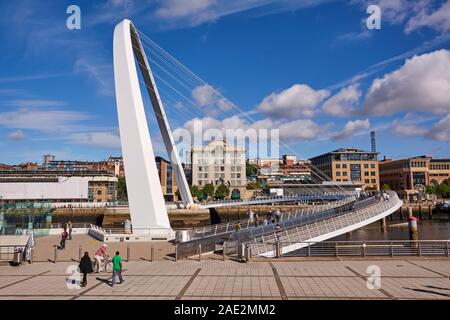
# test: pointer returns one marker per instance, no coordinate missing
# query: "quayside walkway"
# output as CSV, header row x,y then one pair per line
x,y
230,280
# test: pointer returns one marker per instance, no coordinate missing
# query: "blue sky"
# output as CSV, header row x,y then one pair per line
x,y
310,68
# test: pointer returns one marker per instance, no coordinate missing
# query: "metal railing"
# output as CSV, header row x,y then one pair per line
x,y
302,197
228,227
7,251
371,248
300,231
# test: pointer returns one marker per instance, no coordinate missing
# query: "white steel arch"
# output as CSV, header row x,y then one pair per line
x,y
147,207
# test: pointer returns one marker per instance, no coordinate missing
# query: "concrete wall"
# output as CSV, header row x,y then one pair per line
x,y
65,188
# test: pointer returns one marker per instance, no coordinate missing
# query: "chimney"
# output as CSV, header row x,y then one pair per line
x,y
373,141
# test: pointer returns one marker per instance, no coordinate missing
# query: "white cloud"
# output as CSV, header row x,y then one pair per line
x,y
352,128
100,139
422,84
343,103
300,100
46,121
297,130
440,131
33,103
207,96
438,20
16,135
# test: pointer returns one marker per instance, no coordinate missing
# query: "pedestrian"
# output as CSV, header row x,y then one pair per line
x,y
62,243
69,226
117,269
238,226
256,220
85,267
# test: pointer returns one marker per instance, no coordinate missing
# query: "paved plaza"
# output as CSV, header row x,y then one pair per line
x,y
229,280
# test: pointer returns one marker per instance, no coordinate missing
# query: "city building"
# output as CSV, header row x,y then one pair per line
x,y
288,168
348,164
57,186
409,175
47,158
167,177
217,163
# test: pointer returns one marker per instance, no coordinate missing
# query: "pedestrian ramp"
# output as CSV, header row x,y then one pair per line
x,y
288,239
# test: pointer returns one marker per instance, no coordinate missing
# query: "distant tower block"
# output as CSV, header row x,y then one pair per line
x,y
147,207
373,141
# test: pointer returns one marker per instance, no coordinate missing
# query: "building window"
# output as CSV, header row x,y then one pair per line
x,y
344,166
372,173
367,181
372,165
366,173
338,166
338,173
374,181
366,166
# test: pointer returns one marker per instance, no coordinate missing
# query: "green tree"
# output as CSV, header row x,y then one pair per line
x,y
386,187
222,191
250,169
122,189
195,191
431,189
208,190
443,190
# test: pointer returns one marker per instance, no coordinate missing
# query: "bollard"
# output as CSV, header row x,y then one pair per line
x,y
249,253
128,253
199,252
412,224
278,249
419,251
401,214
31,255
420,212
391,249
152,254
336,250
80,253
55,255
430,214
224,251
364,249
176,253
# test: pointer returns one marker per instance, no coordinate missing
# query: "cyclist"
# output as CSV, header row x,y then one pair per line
x,y
100,255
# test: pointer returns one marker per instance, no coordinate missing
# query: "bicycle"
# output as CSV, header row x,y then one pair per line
x,y
107,265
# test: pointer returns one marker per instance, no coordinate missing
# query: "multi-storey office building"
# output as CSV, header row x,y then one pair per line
x,y
217,163
348,164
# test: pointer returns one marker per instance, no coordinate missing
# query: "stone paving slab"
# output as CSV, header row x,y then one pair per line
x,y
390,268
230,280
329,287
313,269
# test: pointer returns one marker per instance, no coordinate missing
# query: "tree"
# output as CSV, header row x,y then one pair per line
x,y
208,189
431,189
122,189
443,190
386,187
250,169
222,191
195,191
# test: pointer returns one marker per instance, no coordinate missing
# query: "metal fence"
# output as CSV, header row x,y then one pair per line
x,y
372,248
7,252
300,231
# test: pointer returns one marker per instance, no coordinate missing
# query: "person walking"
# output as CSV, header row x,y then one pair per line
x,y
69,226
238,226
117,269
85,267
62,243
99,256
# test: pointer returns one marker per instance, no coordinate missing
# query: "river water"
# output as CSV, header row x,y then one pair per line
x,y
436,229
